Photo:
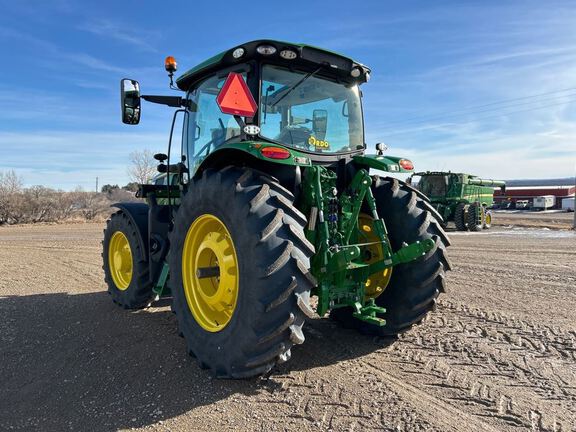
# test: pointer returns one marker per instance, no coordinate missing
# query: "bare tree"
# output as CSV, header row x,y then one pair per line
x,y
89,204
65,205
142,166
19,204
10,182
39,204
11,197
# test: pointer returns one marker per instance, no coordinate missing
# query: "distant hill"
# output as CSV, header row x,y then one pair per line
x,y
566,181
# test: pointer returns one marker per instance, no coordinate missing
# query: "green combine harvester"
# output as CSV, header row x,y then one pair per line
x,y
461,198
270,202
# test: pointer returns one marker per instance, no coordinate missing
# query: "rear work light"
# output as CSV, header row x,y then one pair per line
x,y
288,54
275,153
406,164
251,130
238,52
266,49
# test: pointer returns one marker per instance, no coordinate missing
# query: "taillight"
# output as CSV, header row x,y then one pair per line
x,y
406,164
275,153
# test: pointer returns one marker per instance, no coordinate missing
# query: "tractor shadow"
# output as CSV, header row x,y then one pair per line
x,y
327,343
78,362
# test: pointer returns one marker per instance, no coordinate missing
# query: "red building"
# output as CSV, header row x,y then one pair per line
x,y
515,193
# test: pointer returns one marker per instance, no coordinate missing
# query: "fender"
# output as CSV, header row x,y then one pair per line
x,y
382,163
138,215
250,152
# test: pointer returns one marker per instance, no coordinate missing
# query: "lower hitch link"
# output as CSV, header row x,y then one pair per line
x,y
368,313
407,253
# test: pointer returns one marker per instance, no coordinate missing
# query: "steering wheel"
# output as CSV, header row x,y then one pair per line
x,y
212,141
297,136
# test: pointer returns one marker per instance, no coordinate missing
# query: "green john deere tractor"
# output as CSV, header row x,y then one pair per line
x,y
462,198
269,203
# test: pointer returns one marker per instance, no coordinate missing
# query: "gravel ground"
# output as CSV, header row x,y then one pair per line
x,y
499,354
545,219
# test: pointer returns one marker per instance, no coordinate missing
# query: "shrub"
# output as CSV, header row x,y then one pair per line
x,y
41,204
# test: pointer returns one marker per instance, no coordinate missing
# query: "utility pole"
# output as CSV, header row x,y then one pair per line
x,y
96,184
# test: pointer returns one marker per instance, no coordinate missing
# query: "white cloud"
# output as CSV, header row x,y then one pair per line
x,y
125,33
53,55
548,155
68,159
503,55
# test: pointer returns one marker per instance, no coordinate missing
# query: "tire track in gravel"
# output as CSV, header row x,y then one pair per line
x,y
513,371
444,413
368,392
350,398
487,369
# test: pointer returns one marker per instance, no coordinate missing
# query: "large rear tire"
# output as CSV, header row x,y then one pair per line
x,y
475,217
125,268
460,217
413,287
266,299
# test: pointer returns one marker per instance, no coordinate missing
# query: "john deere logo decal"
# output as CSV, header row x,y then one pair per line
x,y
318,143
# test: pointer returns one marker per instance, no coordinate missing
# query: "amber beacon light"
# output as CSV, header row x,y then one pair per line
x,y
170,64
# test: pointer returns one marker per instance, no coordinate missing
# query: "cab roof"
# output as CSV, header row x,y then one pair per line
x,y
307,57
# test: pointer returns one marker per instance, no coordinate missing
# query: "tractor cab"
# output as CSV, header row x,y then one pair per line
x,y
303,101
297,96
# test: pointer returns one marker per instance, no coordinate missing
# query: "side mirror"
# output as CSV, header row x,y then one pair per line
x,y
130,101
320,123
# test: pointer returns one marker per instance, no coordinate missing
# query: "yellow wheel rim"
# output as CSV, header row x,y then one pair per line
x,y
120,260
377,282
210,273
488,219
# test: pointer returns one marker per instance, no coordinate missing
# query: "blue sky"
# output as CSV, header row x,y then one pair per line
x,y
454,83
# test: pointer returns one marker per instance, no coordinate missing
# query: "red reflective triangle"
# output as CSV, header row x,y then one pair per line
x,y
235,97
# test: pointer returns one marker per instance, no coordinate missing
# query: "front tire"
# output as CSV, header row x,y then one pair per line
x,y
414,286
126,270
272,288
487,219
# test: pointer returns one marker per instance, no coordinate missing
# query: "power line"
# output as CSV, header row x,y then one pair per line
x,y
479,118
505,102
